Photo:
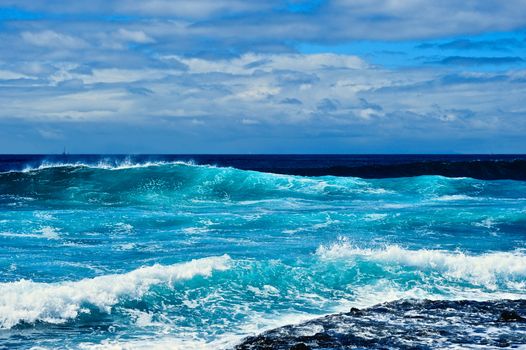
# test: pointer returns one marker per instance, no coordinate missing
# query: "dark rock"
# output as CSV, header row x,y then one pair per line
x,y
511,316
300,346
356,312
406,324
503,344
321,337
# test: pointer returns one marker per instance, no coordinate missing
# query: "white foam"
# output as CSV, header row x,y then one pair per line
x,y
123,227
256,323
372,190
165,343
46,232
454,197
384,291
387,290
49,232
30,301
195,230
485,269
44,216
486,223
106,165
126,246
375,217
265,291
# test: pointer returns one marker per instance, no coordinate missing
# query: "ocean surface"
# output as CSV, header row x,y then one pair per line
x,y
199,252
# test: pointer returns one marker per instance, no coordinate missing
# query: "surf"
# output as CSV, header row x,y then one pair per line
x,y
25,301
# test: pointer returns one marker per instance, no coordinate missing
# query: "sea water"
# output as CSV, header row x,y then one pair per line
x,y
118,253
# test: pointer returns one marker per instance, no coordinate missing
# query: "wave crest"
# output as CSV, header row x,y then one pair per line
x,y
105,165
28,301
486,269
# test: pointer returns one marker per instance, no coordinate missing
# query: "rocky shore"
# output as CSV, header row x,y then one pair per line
x,y
405,324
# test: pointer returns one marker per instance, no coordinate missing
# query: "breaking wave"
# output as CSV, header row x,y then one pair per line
x,y
486,269
28,301
121,183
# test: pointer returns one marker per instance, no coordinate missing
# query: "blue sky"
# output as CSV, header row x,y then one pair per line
x,y
237,76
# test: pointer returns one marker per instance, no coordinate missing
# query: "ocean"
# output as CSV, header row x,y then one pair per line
x,y
202,251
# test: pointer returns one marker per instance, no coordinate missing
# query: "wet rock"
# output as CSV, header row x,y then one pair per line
x,y
511,316
356,312
300,346
438,324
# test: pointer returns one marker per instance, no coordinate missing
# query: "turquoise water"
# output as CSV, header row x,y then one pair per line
x,y
177,255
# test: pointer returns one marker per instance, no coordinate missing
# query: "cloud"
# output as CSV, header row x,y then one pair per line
x,y
322,21
328,105
291,101
136,36
250,63
340,94
52,39
228,76
247,121
10,75
50,134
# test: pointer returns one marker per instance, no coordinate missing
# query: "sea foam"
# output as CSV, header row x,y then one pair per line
x,y
28,301
485,269
106,165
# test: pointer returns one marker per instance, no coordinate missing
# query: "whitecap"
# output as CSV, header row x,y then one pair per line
x,y
105,165
454,197
28,301
485,269
46,232
375,217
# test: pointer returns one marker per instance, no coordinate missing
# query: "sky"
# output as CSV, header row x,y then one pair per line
x,y
240,76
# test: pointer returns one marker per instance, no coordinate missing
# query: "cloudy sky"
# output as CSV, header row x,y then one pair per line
x,y
242,76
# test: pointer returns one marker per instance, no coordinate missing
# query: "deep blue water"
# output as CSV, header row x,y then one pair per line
x,y
199,252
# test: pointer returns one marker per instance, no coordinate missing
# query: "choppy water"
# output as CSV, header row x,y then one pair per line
x,y
172,254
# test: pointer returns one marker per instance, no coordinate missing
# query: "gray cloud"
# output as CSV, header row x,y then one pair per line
x,y
332,20
236,100
52,39
179,76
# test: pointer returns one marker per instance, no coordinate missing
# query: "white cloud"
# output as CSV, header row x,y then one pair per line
x,y
52,39
170,61
136,36
117,75
251,62
257,92
255,85
247,121
50,134
10,75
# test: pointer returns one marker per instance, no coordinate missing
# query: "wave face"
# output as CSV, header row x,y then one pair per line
x,y
116,252
483,167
